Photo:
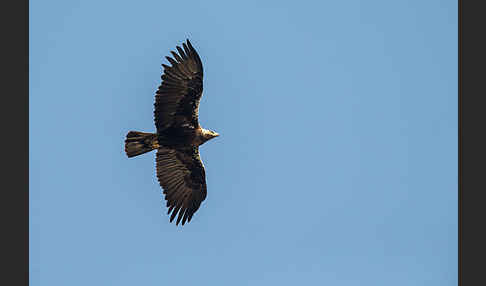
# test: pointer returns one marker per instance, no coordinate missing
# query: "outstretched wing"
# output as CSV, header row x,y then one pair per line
x,y
177,99
181,174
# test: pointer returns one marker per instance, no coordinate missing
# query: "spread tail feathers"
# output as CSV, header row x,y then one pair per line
x,y
138,143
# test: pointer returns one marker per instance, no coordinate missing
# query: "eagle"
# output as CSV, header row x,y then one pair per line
x,y
180,171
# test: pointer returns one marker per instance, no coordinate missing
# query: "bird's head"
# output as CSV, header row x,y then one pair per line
x,y
208,134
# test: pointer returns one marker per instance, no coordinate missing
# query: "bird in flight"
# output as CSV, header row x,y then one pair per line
x,y
180,170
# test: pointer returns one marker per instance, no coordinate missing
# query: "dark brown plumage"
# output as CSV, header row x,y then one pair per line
x,y
180,170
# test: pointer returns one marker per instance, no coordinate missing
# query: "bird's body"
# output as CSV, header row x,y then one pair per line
x,y
184,136
180,170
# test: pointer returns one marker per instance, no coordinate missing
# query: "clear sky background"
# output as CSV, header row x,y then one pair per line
x,y
336,164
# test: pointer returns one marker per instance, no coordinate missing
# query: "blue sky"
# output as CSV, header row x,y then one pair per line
x,y
336,164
